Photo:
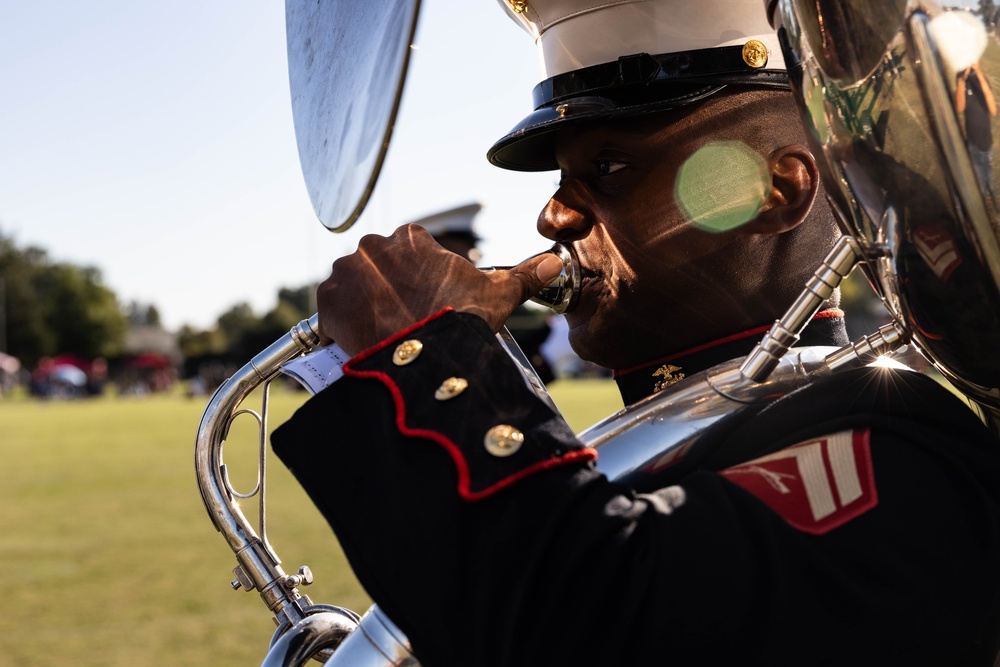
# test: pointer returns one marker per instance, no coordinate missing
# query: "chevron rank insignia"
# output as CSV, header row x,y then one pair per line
x,y
815,486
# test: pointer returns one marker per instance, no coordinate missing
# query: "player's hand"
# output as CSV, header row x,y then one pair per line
x,y
392,282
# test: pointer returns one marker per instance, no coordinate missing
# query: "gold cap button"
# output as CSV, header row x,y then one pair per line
x,y
519,6
755,53
451,388
503,440
407,351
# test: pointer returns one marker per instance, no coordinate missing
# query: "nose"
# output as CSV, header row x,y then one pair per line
x,y
564,218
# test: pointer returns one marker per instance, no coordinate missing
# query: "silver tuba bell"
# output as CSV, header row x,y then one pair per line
x,y
886,95
878,87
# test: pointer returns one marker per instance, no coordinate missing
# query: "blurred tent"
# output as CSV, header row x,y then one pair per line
x,y
71,361
146,339
69,375
150,361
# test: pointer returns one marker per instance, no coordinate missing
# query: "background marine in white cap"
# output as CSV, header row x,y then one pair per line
x,y
854,522
454,230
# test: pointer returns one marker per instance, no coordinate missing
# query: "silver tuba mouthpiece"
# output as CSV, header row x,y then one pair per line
x,y
562,293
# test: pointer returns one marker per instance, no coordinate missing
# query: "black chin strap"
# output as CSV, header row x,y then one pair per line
x,y
687,71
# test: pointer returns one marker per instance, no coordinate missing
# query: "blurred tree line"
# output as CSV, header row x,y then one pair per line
x,y
52,308
989,13
239,334
49,308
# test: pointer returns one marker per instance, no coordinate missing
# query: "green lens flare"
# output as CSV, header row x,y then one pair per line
x,y
723,185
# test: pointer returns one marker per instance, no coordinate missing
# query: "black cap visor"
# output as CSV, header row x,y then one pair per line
x,y
631,86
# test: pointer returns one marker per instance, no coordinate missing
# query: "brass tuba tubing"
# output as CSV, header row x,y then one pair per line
x,y
320,631
258,565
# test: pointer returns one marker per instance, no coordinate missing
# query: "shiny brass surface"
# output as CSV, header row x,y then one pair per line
x,y
407,352
451,388
258,567
877,87
561,294
503,440
347,62
755,53
836,266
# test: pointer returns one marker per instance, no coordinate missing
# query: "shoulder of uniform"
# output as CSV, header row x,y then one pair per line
x,y
893,399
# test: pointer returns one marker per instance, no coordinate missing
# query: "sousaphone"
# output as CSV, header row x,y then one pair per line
x,y
881,87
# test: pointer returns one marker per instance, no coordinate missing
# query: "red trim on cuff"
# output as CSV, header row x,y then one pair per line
x,y
364,354
464,478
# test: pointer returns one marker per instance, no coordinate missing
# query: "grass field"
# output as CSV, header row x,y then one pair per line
x,y
107,556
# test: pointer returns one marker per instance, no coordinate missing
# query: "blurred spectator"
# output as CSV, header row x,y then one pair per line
x,y
10,367
97,378
39,385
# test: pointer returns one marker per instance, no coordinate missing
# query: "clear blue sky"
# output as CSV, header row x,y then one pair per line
x,y
154,141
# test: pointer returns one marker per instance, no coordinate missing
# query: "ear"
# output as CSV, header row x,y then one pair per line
x,y
794,184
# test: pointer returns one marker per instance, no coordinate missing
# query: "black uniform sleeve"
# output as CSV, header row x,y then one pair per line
x,y
404,474
540,560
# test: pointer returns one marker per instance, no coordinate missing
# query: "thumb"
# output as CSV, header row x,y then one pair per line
x,y
535,273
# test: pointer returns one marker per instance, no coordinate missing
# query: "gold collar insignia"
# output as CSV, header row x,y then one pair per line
x,y
670,376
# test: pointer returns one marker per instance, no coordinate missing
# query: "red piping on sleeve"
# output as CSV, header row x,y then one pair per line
x,y
464,478
392,339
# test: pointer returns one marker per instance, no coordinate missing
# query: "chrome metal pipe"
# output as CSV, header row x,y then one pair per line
x,y
562,293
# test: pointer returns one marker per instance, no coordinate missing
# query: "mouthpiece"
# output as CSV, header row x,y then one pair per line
x,y
562,293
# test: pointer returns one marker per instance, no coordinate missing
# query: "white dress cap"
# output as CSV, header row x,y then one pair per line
x,y
611,59
457,220
572,34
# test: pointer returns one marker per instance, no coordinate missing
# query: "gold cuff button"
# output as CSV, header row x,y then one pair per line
x,y
503,440
755,53
519,6
451,388
407,351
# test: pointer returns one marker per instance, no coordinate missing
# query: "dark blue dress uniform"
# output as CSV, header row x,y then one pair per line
x,y
853,522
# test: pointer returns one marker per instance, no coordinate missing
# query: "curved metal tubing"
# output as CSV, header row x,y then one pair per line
x,y
258,566
308,637
377,643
